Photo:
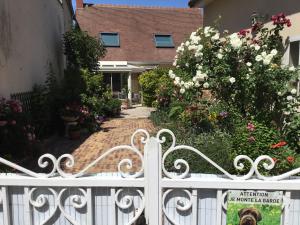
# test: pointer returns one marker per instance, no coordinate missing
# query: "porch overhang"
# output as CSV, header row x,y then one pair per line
x,y
123,66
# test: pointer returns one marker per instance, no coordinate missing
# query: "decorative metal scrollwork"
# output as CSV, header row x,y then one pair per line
x,y
67,161
41,200
127,201
180,204
238,162
77,201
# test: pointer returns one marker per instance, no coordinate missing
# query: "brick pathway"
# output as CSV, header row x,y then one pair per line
x,y
115,132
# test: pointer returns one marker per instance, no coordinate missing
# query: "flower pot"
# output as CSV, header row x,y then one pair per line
x,y
74,134
70,118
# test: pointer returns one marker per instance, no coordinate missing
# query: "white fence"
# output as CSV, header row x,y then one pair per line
x,y
60,198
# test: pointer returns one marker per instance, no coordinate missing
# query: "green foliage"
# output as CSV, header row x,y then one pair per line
x,y
45,102
150,82
215,145
82,50
292,132
254,139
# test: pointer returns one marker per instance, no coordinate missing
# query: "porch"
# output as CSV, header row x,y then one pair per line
x,y
122,78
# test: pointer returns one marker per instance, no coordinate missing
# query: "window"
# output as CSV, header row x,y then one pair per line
x,y
110,39
164,41
294,53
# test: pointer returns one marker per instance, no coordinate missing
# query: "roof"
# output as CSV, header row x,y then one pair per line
x,y
136,27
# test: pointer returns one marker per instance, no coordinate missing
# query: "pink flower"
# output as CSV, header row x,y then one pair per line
x,y
3,123
250,127
251,139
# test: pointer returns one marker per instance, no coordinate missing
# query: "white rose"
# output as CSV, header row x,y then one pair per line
x,y
258,58
293,91
235,41
256,47
279,93
215,37
187,64
206,85
247,76
206,30
274,52
263,54
197,84
249,64
289,98
182,90
292,68
187,43
232,80
220,56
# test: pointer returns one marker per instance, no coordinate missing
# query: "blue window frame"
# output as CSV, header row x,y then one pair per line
x,y
110,39
164,41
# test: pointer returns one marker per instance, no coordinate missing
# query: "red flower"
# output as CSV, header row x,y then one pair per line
x,y
278,145
275,159
281,20
243,32
290,159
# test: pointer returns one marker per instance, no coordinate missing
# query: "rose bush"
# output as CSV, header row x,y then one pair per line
x,y
248,94
243,69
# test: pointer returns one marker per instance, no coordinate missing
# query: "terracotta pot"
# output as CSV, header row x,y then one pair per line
x,y
70,118
74,135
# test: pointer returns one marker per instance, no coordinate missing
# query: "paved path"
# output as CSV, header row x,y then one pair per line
x,y
137,112
115,132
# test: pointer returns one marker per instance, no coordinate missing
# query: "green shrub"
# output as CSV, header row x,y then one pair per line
x,y
82,50
150,81
255,139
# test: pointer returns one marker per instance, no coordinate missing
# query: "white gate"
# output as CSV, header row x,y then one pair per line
x,y
58,197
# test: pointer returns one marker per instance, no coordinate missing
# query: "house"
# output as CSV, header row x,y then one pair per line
x,y
239,14
137,39
31,42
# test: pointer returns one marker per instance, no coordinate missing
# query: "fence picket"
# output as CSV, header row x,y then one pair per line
x,y
5,203
27,207
181,198
90,208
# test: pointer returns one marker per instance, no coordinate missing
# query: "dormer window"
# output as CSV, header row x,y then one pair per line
x,y
164,41
110,39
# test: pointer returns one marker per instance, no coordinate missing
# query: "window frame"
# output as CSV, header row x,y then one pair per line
x,y
111,33
172,45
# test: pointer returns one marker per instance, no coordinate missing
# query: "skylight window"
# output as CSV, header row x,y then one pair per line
x,y
110,39
164,41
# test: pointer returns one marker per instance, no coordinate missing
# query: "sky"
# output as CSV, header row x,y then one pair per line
x,y
162,3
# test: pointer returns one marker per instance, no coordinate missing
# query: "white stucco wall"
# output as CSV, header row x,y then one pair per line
x,y
236,14
30,39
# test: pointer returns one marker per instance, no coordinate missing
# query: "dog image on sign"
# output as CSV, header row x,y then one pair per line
x,y
254,207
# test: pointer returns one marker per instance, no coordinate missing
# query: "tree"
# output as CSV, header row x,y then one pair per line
x,y
82,50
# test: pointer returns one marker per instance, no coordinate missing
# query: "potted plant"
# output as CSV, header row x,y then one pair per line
x,y
125,101
70,113
74,132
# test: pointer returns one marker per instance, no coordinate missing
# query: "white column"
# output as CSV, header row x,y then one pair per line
x,y
129,85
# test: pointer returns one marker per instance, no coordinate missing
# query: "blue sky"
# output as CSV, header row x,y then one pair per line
x,y
163,3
